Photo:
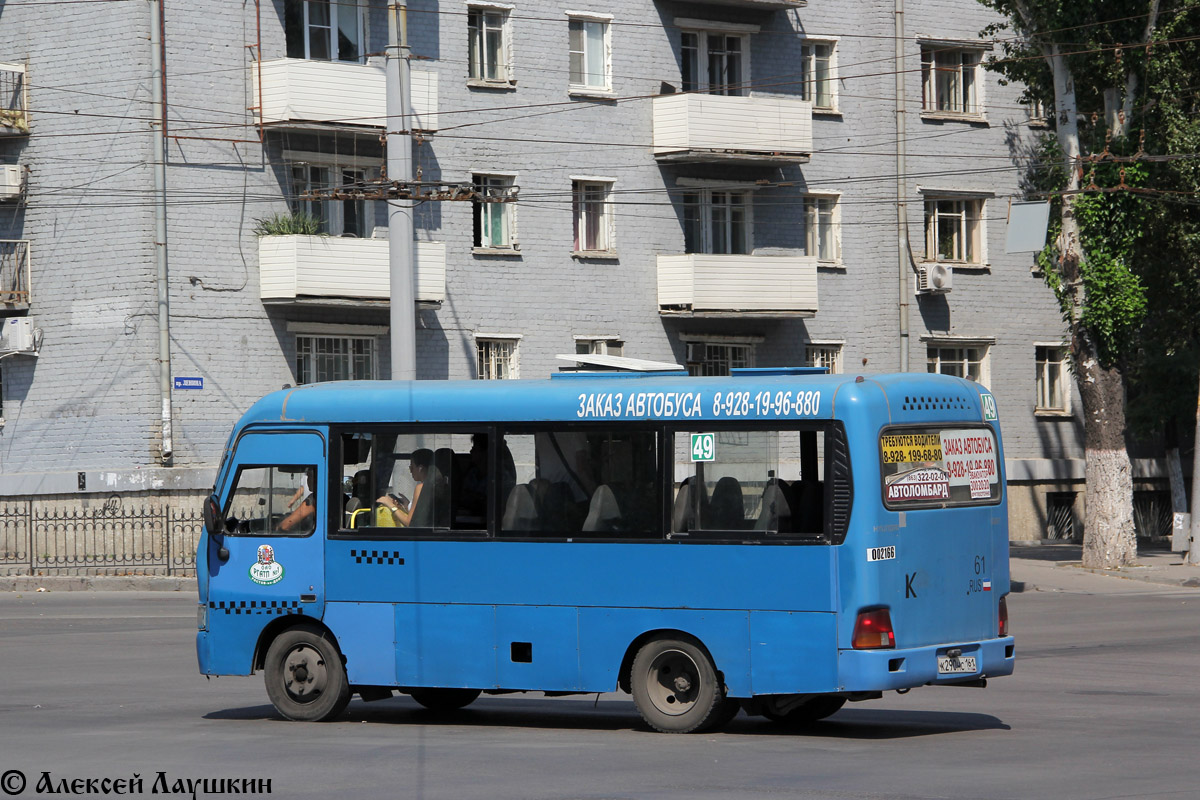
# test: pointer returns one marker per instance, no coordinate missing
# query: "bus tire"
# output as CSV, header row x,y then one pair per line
x,y
305,677
444,700
676,688
811,710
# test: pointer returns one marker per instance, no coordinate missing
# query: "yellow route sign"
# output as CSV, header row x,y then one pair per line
x,y
911,448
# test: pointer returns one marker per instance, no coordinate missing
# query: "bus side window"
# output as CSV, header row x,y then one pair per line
x,y
274,501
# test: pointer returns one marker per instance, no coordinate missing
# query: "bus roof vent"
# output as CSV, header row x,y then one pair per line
x,y
763,372
614,366
936,403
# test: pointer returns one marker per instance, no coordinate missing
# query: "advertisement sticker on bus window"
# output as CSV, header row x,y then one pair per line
x,y
966,451
924,483
911,448
981,486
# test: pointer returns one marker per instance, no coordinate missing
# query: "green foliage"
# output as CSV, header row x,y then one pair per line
x,y
290,224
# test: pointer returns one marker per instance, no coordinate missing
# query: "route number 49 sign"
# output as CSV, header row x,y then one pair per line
x,y
704,446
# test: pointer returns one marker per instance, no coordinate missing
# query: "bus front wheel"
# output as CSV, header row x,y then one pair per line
x,y
676,687
305,677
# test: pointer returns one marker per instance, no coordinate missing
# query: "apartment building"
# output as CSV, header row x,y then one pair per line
x,y
712,183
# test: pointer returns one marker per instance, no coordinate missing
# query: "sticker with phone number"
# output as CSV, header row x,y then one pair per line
x,y
911,448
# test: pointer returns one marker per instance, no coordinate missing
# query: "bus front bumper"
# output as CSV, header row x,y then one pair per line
x,y
881,670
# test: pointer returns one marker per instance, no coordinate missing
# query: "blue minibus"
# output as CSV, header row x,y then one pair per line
x,y
778,540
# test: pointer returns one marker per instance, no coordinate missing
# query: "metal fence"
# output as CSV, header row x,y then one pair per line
x,y
111,539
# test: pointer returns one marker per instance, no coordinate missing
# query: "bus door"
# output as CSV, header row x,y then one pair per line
x,y
946,574
275,507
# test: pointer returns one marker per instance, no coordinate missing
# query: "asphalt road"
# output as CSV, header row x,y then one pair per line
x,y
1105,704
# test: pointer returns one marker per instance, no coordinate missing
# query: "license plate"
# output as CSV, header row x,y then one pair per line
x,y
950,666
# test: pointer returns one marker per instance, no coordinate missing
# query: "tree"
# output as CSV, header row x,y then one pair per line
x,y
1076,56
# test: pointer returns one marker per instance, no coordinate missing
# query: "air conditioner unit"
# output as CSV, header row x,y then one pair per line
x,y
17,335
12,181
935,278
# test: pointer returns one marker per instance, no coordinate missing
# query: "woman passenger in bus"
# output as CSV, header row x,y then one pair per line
x,y
413,513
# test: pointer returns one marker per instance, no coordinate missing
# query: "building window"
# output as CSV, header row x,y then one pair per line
x,y
602,346
716,221
953,230
335,217
591,208
497,358
718,358
714,62
334,358
323,31
1052,392
488,57
494,228
950,77
588,46
821,234
818,75
968,362
828,356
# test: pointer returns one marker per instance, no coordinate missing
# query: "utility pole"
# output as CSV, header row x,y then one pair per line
x,y
159,124
904,273
1193,557
402,318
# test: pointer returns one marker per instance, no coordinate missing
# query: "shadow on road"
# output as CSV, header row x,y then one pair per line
x,y
850,723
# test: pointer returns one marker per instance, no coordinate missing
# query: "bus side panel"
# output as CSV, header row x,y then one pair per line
x,y
365,632
606,633
793,653
536,647
448,645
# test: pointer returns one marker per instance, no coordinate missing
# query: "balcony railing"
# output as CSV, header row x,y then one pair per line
x,y
297,91
703,284
14,118
293,268
755,5
709,127
14,274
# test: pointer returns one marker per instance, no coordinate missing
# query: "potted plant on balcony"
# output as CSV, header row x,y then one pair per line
x,y
295,223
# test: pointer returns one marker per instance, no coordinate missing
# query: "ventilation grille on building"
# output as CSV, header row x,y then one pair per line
x,y
1060,515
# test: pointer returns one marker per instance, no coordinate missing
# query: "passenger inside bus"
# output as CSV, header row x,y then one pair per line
x,y
414,513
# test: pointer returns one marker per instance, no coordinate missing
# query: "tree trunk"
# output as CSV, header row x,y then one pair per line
x,y
1109,540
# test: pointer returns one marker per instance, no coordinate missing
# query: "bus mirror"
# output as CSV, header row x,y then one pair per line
x,y
212,516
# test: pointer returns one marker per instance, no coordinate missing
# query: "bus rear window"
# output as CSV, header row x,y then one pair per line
x,y
935,467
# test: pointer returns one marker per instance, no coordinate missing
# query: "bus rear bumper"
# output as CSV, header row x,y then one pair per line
x,y
881,670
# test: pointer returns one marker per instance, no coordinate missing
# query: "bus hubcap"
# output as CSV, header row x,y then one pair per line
x,y
673,682
304,674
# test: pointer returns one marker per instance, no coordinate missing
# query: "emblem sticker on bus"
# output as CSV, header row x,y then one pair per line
x,y
881,553
266,571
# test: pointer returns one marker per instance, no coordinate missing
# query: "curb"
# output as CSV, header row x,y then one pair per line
x,y
96,583
1144,574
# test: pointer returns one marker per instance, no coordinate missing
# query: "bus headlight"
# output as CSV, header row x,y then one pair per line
x,y
202,617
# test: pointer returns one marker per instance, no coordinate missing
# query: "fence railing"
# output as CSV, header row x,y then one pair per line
x,y
14,271
112,539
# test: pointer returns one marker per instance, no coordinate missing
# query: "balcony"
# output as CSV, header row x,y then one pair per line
x,y
696,127
14,275
330,270
755,5
710,285
297,92
14,117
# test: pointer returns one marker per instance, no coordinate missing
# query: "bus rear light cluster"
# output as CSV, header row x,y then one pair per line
x,y
1004,615
873,630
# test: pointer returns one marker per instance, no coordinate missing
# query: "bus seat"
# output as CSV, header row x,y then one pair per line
x,y
727,511
435,513
603,512
360,517
809,502
683,515
352,505
520,513
776,513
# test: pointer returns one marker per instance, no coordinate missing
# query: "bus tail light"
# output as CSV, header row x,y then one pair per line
x,y
1004,615
873,630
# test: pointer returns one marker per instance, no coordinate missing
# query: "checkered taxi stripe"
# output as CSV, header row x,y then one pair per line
x,y
376,557
270,607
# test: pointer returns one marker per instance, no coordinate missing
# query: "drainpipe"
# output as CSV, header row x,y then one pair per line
x,y
403,318
902,247
159,123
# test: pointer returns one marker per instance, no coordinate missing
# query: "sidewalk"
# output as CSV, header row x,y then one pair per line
x,y
1056,568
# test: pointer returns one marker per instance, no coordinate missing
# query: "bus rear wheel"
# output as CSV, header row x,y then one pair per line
x,y
444,700
305,677
811,710
676,687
